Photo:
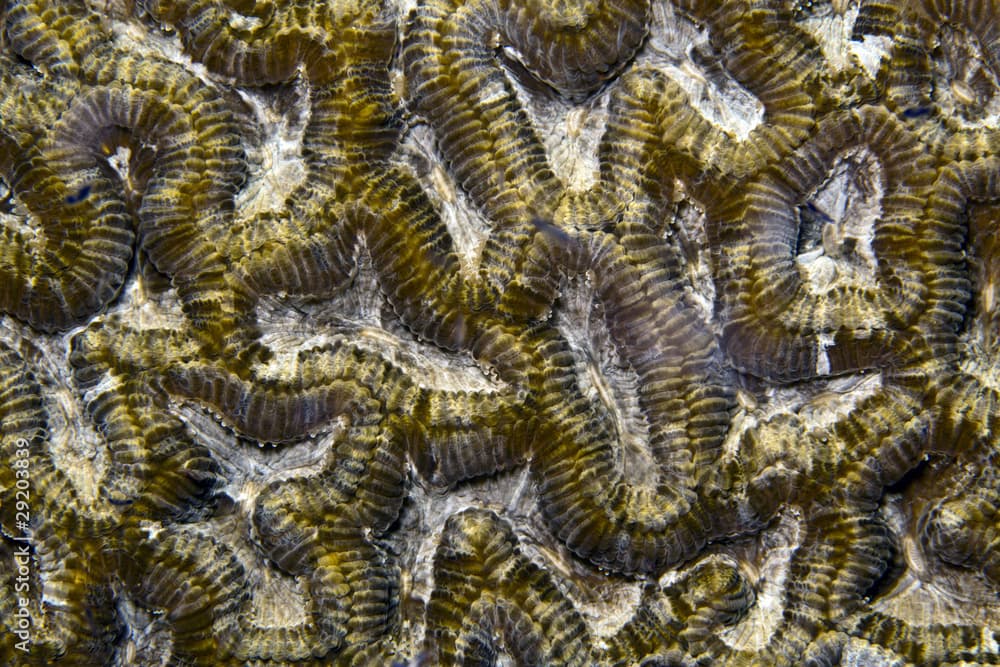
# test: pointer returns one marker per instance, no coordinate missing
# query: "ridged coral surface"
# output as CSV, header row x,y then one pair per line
x,y
499,332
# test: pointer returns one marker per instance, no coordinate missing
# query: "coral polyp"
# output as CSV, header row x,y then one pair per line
x,y
506,332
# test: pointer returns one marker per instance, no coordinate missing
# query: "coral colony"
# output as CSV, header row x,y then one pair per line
x,y
494,332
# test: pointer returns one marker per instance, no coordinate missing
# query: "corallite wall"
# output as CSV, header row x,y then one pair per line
x,y
583,332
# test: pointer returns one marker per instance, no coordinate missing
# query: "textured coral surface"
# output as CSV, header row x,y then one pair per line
x,y
499,332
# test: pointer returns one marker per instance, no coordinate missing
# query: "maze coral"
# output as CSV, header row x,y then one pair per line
x,y
499,332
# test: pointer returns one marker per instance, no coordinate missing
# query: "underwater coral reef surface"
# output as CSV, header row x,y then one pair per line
x,y
499,332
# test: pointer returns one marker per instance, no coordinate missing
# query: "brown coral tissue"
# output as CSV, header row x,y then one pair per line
x,y
410,333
